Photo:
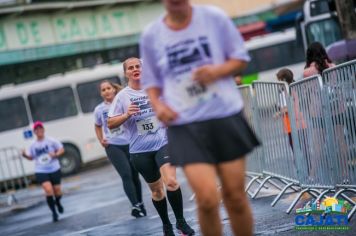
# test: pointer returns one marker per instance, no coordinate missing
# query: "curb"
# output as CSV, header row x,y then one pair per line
x,y
20,207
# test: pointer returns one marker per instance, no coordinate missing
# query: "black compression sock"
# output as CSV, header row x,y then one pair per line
x,y
176,201
161,207
58,203
50,202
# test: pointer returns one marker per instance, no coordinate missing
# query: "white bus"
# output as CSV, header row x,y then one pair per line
x,y
271,52
65,103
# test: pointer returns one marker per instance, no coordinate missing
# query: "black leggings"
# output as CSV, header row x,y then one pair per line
x,y
119,157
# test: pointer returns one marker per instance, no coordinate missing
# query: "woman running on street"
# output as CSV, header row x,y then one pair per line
x,y
148,147
116,147
191,55
45,151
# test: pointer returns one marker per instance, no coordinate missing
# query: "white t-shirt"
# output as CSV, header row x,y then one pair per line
x,y
115,136
169,58
144,131
39,152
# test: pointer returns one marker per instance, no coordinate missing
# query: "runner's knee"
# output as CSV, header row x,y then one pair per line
x,y
158,194
207,202
171,184
236,200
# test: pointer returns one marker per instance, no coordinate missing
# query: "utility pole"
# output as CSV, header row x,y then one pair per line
x,y
347,17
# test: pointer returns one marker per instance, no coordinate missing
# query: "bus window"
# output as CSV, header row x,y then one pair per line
x,y
275,56
13,114
53,104
89,94
324,31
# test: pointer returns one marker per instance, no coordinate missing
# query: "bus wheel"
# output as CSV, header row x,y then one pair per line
x,y
70,160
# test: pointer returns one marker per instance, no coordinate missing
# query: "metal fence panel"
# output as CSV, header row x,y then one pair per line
x,y
340,95
254,159
273,119
12,172
310,133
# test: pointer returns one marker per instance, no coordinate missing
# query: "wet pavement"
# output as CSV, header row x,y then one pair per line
x,y
95,204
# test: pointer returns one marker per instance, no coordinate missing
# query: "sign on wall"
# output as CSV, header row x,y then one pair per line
x,y
81,25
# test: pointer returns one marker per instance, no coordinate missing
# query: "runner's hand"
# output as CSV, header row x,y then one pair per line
x,y
104,143
132,109
164,113
52,154
23,153
205,74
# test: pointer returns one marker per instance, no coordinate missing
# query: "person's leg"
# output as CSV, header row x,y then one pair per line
x,y
145,164
135,174
174,195
56,183
232,175
48,189
159,200
122,165
207,198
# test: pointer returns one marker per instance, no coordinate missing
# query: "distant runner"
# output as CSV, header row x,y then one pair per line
x,y
45,151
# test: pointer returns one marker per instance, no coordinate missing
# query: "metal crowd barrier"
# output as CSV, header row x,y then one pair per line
x,y
340,95
254,159
272,117
12,173
321,112
311,136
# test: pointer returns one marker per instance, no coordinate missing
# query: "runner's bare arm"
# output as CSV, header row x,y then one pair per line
x,y
163,112
25,155
57,153
116,121
209,73
99,135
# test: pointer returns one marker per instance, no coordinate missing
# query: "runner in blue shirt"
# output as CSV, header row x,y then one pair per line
x,y
45,152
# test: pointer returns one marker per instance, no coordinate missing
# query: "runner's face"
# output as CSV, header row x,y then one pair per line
x,y
107,91
39,132
176,5
133,70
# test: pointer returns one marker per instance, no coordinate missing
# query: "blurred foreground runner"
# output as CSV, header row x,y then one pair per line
x,y
190,56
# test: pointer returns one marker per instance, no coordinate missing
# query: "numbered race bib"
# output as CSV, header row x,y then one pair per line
x,y
147,126
44,159
191,93
115,132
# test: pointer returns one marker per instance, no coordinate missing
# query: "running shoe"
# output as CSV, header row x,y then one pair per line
x,y
168,230
136,211
143,209
184,228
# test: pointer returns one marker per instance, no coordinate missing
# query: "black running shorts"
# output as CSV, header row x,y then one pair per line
x,y
54,177
213,141
149,163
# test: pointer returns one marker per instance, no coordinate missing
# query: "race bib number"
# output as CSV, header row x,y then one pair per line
x,y
147,126
115,132
44,159
191,93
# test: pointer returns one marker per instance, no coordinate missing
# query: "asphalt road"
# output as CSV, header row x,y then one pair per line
x,y
95,204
